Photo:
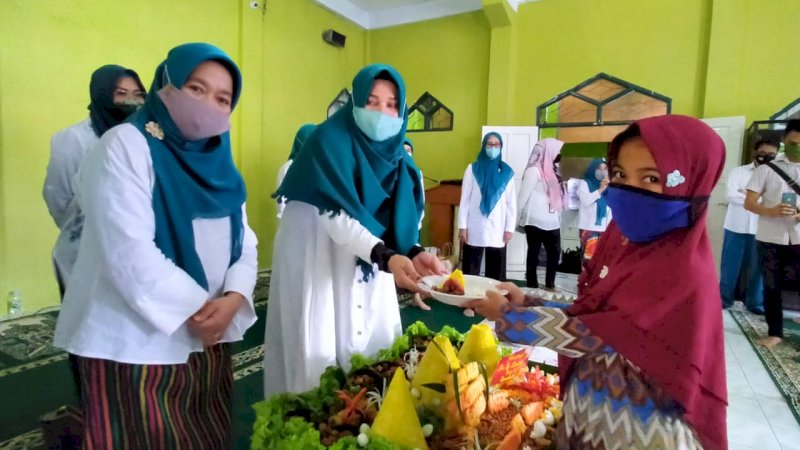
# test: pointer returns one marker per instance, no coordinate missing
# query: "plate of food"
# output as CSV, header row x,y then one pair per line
x,y
457,288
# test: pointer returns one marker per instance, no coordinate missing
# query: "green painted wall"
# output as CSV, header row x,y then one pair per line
x,y
660,45
51,47
49,51
753,65
301,76
449,58
713,57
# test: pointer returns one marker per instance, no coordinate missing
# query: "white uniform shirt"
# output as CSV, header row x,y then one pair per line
x,y
485,231
284,169
67,149
738,219
126,301
321,310
775,230
534,203
587,211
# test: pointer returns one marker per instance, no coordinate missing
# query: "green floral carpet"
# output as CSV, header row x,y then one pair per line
x,y
35,376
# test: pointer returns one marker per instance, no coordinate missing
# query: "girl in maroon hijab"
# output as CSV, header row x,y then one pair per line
x,y
642,360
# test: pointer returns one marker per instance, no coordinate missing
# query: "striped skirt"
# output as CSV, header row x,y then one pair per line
x,y
180,406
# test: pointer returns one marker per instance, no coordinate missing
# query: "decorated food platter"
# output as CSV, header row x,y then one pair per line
x,y
429,390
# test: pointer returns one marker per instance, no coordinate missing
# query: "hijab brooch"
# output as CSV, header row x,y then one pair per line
x,y
155,130
675,179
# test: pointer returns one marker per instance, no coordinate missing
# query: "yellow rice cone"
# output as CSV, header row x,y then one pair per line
x,y
437,363
397,419
481,346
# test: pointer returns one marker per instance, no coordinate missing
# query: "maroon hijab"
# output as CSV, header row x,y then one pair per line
x,y
658,304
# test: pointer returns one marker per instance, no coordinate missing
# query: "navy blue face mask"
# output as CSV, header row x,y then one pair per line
x,y
645,216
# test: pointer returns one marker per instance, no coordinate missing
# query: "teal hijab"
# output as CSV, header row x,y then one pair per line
x,y
594,184
409,143
300,138
376,183
492,176
193,179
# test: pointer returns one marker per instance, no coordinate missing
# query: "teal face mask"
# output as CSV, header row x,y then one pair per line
x,y
377,125
493,152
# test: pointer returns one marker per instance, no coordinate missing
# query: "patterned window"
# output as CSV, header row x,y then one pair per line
x,y
341,99
429,114
789,112
601,101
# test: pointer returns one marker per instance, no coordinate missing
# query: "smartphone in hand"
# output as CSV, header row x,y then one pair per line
x,y
789,198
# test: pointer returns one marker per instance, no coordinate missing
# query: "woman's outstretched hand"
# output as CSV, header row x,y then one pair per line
x,y
429,264
405,275
493,307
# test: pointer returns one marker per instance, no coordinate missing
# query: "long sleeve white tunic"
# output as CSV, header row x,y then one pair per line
x,y
320,310
127,302
483,231
67,149
587,212
534,204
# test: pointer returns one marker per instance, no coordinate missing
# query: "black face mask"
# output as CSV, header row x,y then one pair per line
x,y
763,159
121,111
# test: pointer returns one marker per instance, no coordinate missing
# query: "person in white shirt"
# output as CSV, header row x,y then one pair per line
x,y
349,236
487,214
739,248
167,265
299,139
541,201
778,232
115,93
593,211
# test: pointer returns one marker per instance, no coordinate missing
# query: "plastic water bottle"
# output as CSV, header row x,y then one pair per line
x,y
14,304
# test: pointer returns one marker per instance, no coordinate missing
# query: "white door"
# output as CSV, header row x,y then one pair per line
x,y
517,145
731,130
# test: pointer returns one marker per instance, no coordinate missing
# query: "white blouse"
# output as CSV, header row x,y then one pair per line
x,y
126,301
738,219
67,149
587,212
534,203
485,231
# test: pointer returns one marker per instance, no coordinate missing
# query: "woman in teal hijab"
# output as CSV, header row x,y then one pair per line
x,y
488,210
348,233
166,270
593,211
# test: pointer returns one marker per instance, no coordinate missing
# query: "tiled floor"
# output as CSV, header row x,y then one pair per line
x,y
758,415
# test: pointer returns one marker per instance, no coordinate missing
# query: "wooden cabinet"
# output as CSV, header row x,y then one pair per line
x,y
442,202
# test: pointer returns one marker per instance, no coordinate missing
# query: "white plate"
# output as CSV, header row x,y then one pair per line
x,y
475,288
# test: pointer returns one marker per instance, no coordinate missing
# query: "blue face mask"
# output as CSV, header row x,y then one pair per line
x,y
645,216
377,125
493,152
